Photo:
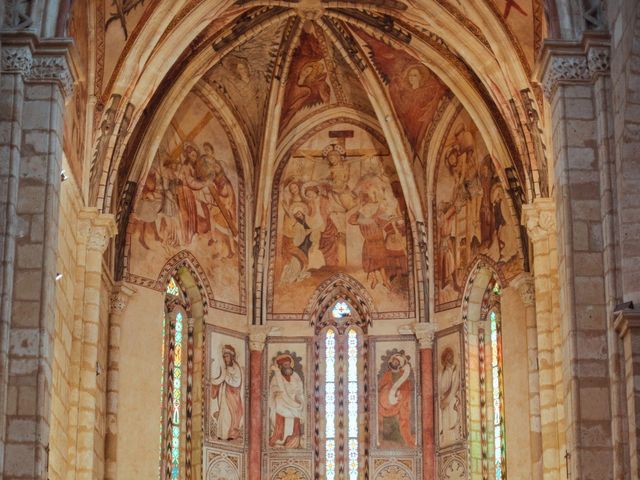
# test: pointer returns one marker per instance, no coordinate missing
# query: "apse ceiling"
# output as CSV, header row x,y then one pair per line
x,y
318,51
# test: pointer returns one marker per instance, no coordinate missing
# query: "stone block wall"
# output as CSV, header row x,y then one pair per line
x,y
66,306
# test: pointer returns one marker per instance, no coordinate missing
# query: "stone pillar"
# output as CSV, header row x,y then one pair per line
x,y
119,300
627,324
34,80
539,219
97,228
525,285
425,333
257,338
576,80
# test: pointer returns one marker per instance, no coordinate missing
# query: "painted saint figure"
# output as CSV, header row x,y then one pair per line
x,y
395,392
226,396
286,404
449,396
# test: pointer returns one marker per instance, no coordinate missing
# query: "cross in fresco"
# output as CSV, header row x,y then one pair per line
x,y
340,138
512,4
187,137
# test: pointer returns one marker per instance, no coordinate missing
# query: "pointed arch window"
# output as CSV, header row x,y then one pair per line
x,y
176,386
342,345
497,390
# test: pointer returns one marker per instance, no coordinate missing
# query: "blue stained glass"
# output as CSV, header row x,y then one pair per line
x,y
340,310
177,396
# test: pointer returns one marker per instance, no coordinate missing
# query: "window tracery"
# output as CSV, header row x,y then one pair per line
x,y
343,350
176,386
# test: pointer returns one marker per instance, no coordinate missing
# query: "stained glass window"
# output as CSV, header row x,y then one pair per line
x,y
340,310
330,405
176,387
496,379
172,287
352,356
341,409
177,398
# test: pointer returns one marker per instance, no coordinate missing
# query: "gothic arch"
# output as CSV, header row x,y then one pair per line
x,y
339,286
188,271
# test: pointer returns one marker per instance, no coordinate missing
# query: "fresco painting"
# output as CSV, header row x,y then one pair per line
x,y
287,396
243,78
396,394
472,213
191,199
225,387
450,378
414,90
308,83
340,209
118,19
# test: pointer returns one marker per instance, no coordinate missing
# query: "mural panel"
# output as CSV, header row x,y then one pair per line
x,y
243,78
472,213
288,396
395,391
414,90
338,207
191,200
308,83
451,417
226,387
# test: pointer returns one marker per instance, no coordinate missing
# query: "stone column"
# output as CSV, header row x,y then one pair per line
x,y
119,300
425,333
257,338
539,219
34,80
576,80
97,228
525,285
627,324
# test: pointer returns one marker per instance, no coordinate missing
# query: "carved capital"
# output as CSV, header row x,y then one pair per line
x,y
424,332
571,62
526,287
17,59
539,218
37,60
120,298
258,335
96,229
52,68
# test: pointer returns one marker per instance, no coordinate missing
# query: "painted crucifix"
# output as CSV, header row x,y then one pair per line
x,y
321,196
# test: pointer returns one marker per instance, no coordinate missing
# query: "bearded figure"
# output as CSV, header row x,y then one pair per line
x,y
226,395
395,391
286,404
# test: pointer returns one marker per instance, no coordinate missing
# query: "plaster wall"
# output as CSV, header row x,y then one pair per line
x,y
140,378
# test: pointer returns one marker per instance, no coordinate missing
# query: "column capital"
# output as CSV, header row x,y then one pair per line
x,y
625,321
45,61
120,296
425,332
565,62
526,287
539,218
258,336
96,228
